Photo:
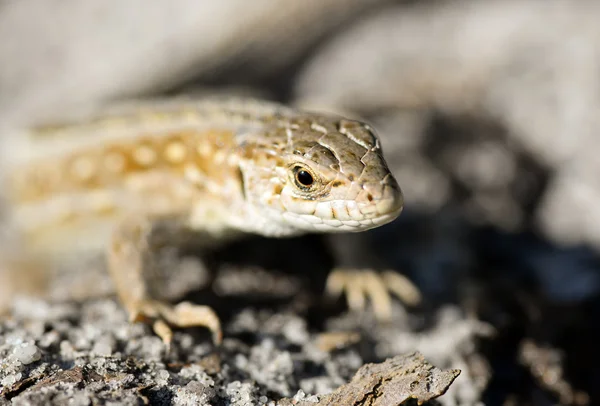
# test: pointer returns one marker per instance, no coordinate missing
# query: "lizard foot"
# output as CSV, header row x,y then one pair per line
x,y
358,285
185,314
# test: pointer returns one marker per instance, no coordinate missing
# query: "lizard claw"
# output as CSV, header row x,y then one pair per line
x,y
182,315
360,285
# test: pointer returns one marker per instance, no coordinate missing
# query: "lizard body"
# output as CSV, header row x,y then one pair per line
x,y
115,180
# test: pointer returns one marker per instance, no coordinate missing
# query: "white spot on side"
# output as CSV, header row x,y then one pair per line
x,y
193,174
144,155
175,152
219,157
83,168
204,149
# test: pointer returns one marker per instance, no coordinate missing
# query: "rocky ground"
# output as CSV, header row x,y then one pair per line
x,y
488,113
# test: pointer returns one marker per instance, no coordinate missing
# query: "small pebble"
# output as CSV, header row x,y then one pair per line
x,y
27,353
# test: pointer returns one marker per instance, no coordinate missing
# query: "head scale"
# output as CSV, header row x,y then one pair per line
x,y
318,175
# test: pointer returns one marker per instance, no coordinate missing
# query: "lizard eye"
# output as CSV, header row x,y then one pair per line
x,y
303,178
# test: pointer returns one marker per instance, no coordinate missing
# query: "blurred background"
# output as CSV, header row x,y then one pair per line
x,y
488,110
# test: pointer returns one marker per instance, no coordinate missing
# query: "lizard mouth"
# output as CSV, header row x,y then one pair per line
x,y
351,215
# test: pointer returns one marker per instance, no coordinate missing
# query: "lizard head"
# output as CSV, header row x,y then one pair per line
x,y
319,175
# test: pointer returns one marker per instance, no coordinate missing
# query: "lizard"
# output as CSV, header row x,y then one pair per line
x,y
131,178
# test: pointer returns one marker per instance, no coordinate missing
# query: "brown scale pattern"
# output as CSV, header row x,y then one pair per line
x,y
102,168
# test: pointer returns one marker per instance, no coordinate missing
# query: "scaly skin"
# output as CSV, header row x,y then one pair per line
x,y
136,177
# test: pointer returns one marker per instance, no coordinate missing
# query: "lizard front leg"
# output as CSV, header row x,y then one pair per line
x,y
132,261
356,274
